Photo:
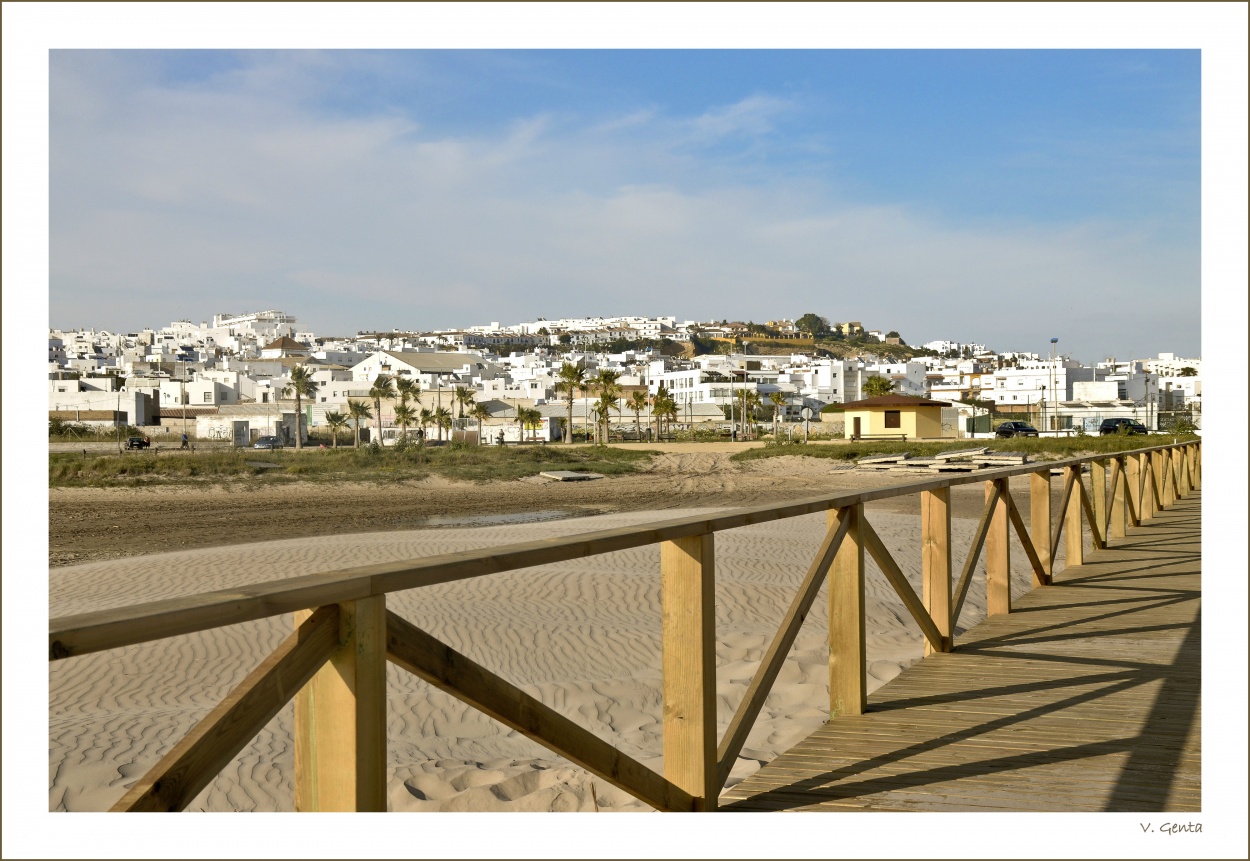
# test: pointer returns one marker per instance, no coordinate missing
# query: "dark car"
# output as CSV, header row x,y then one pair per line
x,y
137,442
1128,426
1008,429
268,442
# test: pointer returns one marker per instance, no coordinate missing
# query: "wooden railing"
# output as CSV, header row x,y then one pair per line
x,y
333,663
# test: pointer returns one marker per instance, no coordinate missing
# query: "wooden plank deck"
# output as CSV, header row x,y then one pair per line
x,y
1084,698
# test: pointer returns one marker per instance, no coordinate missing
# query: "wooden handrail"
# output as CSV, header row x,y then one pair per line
x,y
695,767
84,633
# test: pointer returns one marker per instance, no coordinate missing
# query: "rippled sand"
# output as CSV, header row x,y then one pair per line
x,y
582,636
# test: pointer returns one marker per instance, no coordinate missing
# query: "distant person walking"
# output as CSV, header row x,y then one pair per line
x,y
185,444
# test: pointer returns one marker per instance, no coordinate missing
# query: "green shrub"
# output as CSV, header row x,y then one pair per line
x,y
369,463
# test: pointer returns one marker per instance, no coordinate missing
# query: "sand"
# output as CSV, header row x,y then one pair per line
x,y
89,524
581,636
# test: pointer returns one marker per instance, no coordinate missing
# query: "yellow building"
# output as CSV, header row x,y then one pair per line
x,y
894,417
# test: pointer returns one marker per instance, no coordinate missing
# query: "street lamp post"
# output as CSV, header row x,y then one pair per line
x,y
182,396
1053,341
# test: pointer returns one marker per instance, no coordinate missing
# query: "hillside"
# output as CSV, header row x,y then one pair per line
x,y
837,349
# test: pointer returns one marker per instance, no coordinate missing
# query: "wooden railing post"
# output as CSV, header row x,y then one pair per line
x,y
1073,538
688,632
848,682
997,556
1183,462
1133,486
1039,519
935,563
340,717
1098,484
1149,504
1167,477
1195,465
1156,482
1119,509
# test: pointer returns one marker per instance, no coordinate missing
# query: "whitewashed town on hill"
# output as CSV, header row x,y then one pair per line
x,y
231,379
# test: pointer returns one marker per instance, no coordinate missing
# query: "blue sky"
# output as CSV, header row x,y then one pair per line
x,y
1002,196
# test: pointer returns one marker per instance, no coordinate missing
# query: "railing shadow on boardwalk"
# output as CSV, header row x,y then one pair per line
x,y
334,663
1103,605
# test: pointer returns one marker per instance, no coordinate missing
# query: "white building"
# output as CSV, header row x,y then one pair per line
x,y
1031,382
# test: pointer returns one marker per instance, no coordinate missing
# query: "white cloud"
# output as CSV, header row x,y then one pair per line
x,y
754,115
230,194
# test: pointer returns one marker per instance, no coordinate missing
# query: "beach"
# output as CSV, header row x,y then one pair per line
x,y
90,524
582,636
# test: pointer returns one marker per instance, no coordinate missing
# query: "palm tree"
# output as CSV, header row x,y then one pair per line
x,y
609,391
425,419
659,407
336,421
407,388
442,418
668,410
569,380
303,385
464,397
877,386
481,414
603,414
531,419
750,403
359,411
637,403
383,387
404,416
778,401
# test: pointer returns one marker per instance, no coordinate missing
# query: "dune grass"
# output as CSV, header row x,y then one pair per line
x,y
247,466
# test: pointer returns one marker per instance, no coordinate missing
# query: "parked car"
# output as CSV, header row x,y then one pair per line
x,y
1009,429
137,442
1128,426
269,442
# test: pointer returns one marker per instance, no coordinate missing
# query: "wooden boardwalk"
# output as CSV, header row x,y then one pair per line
x,y
1084,698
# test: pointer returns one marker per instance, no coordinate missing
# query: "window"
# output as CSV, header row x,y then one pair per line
x,y
893,418
208,397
